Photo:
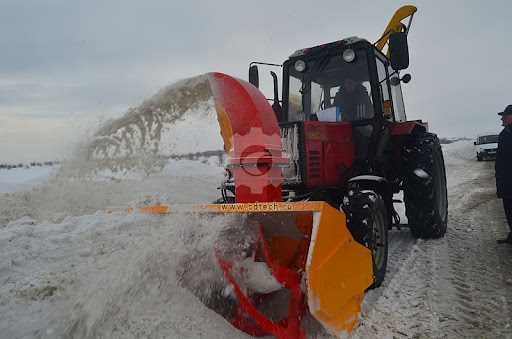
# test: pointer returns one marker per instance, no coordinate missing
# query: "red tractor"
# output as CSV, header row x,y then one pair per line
x,y
345,132
310,185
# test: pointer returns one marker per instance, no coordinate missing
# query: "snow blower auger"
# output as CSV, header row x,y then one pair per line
x,y
311,181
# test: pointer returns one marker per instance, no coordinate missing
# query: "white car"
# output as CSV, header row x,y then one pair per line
x,y
486,146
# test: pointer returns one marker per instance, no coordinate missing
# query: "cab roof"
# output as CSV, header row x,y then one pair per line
x,y
340,43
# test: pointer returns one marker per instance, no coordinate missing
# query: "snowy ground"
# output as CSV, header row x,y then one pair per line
x,y
69,269
19,179
456,287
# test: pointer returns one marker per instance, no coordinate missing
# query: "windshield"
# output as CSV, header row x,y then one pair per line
x,y
488,139
331,89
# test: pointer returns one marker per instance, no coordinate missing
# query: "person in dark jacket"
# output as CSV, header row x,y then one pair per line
x,y
504,169
355,104
354,101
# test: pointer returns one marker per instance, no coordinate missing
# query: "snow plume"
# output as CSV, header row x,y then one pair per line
x,y
179,120
169,147
75,264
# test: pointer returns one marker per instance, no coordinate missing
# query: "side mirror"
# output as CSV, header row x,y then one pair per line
x,y
395,80
398,51
254,77
406,78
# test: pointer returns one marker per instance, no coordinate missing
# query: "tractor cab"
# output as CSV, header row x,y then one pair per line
x,y
338,103
344,81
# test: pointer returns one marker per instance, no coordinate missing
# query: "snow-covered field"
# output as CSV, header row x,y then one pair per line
x,y
19,179
85,273
75,264
67,264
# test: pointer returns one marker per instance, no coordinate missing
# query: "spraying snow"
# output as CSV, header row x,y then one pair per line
x,y
147,152
70,269
180,119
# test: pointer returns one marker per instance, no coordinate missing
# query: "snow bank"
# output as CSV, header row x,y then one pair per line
x,y
459,154
458,151
107,275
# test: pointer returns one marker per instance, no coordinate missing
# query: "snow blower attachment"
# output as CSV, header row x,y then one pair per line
x,y
303,258
302,251
280,259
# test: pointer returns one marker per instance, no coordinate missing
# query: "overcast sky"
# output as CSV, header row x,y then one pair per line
x,y
66,64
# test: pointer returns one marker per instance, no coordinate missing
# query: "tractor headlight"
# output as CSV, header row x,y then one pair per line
x,y
300,66
349,55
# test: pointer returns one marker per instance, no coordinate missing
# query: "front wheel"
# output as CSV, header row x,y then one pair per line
x,y
368,223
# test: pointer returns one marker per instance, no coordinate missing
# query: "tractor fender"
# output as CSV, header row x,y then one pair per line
x,y
367,177
408,128
371,182
374,183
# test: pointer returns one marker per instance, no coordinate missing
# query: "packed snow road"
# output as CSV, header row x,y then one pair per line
x,y
456,287
69,269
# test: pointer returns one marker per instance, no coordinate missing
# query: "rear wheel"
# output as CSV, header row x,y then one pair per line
x,y
425,196
368,223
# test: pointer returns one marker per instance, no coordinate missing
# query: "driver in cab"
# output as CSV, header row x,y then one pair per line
x,y
354,103
353,100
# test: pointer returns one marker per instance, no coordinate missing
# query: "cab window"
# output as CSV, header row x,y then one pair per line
x,y
331,89
387,104
396,95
